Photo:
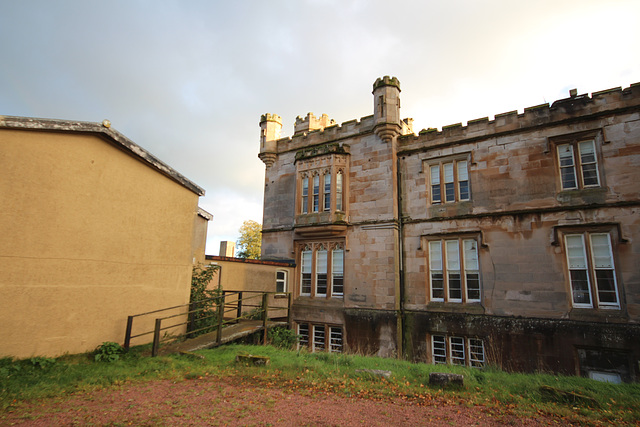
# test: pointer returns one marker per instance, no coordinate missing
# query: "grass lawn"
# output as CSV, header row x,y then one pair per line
x,y
572,399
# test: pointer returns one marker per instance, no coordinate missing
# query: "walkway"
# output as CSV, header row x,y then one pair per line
x,y
229,333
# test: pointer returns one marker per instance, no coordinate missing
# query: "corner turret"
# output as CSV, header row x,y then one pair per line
x,y
270,127
386,108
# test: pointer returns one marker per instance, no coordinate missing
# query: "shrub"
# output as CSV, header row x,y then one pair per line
x,y
42,362
282,338
108,352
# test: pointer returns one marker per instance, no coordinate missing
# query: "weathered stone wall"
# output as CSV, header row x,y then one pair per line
x,y
517,211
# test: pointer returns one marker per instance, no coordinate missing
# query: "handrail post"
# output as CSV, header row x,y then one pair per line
x,y
239,312
289,314
265,307
127,334
191,319
220,316
156,338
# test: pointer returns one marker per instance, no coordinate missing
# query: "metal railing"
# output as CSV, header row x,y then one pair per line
x,y
257,302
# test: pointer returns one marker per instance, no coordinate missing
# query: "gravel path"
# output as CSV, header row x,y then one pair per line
x,y
214,401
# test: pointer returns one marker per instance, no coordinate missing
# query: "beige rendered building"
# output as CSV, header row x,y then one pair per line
x,y
93,228
252,277
513,241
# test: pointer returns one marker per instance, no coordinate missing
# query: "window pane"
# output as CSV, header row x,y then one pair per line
x,y
437,285
580,287
281,281
318,338
435,184
463,180
453,255
455,286
316,192
463,174
449,192
476,352
449,189
305,195
435,255
335,335
327,192
601,251
463,187
457,350
473,286
606,287
339,191
303,335
337,273
589,175
575,251
470,254
567,167
321,272
439,349
435,268
565,154
305,268
448,172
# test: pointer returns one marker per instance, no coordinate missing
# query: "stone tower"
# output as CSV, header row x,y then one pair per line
x,y
270,127
386,108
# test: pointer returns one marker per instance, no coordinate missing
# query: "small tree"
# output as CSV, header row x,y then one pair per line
x,y
202,297
250,240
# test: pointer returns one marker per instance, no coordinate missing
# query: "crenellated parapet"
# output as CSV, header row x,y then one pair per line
x,y
322,136
311,122
576,107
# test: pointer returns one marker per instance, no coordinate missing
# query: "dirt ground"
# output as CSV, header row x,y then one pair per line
x,y
214,401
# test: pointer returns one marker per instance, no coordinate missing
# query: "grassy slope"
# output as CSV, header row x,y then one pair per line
x,y
592,401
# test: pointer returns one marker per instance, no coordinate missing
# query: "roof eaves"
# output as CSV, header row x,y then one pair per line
x,y
115,137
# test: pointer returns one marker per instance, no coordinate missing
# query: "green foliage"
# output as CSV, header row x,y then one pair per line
x,y
498,392
108,351
281,337
42,362
203,299
250,240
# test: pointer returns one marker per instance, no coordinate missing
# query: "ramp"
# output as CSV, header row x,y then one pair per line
x,y
229,334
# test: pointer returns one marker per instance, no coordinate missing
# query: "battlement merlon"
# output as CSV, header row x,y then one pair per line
x,y
386,81
311,122
267,117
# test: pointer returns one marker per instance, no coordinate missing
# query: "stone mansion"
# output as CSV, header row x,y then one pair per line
x,y
513,241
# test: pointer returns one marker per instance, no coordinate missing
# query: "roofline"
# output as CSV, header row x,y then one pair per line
x,y
204,214
282,263
111,135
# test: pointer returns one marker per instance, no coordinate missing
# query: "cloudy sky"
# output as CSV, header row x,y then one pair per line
x,y
188,80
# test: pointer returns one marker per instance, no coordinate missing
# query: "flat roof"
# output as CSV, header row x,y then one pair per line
x,y
106,132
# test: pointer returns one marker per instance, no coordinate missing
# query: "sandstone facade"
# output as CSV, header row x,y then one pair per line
x,y
512,241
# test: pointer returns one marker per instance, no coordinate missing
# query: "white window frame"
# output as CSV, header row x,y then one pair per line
x,y
306,265
282,280
326,193
581,256
304,201
575,161
303,335
457,350
451,261
319,342
337,272
449,181
322,272
336,339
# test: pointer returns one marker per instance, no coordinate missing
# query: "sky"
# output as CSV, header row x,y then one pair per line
x,y
188,80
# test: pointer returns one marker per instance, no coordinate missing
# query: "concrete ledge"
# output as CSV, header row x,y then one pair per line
x,y
445,379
